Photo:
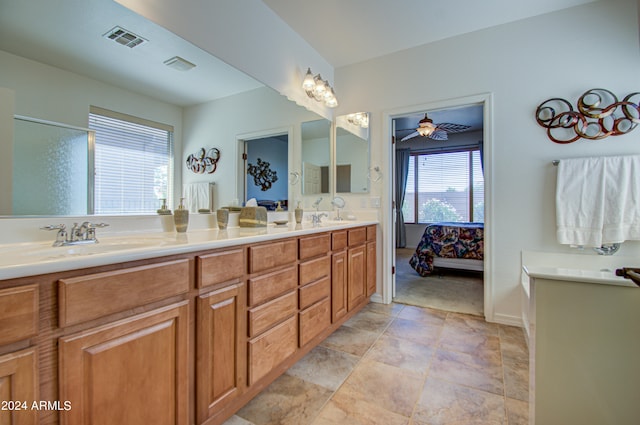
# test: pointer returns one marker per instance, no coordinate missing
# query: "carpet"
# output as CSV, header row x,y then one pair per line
x,y
450,290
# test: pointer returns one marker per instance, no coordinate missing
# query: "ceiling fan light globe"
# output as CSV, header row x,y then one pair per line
x,y
424,131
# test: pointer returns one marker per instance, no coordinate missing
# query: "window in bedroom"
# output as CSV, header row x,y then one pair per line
x,y
133,163
444,186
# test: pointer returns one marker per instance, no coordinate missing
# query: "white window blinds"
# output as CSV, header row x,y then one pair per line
x,y
444,187
133,163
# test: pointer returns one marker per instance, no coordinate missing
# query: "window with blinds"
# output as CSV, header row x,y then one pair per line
x,y
133,163
445,186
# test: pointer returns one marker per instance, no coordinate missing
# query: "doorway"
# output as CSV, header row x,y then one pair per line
x,y
457,286
263,167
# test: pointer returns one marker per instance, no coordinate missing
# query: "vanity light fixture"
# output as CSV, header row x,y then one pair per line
x,y
179,64
361,119
319,89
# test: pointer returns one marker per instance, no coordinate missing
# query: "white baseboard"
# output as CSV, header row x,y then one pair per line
x,y
507,319
376,298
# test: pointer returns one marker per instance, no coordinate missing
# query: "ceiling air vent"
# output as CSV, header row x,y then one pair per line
x,y
179,63
124,37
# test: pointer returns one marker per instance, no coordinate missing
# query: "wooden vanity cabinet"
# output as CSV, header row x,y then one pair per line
x,y
184,339
221,359
356,267
134,370
19,384
315,286
339,276
117,364
19,367
272,308
371,260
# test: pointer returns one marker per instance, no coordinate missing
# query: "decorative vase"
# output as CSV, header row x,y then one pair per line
x,y
222,216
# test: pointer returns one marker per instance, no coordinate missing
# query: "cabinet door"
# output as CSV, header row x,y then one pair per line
x,y
371,268
133,371
18,383
272,348
339,279
356,270
221,363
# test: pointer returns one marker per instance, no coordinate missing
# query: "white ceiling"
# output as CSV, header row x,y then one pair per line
x,y
350,31
68,34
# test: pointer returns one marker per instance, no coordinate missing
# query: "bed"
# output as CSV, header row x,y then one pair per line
x,y
450,245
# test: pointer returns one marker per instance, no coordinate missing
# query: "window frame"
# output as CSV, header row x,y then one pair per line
x,y
130,119
439,151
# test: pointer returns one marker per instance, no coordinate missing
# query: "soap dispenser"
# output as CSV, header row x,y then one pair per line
x,y
163,209
298,213
181,217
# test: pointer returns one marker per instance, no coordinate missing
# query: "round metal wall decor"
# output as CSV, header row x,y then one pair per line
x,y
204,161
599,114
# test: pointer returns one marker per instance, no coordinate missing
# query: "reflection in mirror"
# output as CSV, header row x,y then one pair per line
x,y
316,156
352,153
266,170
50,168
57,76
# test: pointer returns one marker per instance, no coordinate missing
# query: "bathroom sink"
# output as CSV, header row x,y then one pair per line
x,y
30,252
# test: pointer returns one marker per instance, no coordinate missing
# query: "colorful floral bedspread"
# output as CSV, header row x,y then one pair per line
x,y
448,240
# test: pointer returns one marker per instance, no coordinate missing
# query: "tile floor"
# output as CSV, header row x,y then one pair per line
x,y
399,364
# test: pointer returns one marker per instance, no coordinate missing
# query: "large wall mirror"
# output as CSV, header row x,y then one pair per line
x,y
352,153
57,76
316,156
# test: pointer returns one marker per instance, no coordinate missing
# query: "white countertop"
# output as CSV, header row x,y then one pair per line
x,y
30,259
584,268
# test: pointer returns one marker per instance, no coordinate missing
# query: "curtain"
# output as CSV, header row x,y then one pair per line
x,y
480,147
402,171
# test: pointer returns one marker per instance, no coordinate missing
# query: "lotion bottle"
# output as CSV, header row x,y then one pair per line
x,y
181,217
298,213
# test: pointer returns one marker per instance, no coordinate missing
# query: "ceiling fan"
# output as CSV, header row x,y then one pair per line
x,y
440,131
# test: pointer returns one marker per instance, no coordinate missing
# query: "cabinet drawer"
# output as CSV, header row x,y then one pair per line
x,y
265,316
371,233
339,240
357,236
18,313
269,286
89,297
314,320
220,267
313,246
273,254
314,292
272,348
315,269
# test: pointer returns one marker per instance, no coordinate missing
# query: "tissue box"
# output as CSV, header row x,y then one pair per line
x,y
253,217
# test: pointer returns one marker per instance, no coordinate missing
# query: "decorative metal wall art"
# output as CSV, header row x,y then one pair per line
x,y
599,115
263,176
204,161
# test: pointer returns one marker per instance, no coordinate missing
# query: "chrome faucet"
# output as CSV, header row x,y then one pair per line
x,y
79,234
316,218
607,249
316,204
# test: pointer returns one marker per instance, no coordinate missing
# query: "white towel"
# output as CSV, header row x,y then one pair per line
x,y
198,196
598,200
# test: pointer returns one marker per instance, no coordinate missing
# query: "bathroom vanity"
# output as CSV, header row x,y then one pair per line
x,y
172,329
583,326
